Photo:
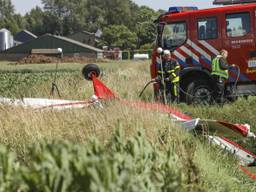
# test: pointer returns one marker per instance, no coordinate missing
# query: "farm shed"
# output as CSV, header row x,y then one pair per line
x,y
23,37
84,37
70,48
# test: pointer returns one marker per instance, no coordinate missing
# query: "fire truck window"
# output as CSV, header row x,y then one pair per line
x,y
207,29
238,24
174,35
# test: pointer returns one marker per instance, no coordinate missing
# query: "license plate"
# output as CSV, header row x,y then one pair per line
x,y
252,63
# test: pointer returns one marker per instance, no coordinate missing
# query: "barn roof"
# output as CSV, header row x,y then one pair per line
x,y
49,41
24,36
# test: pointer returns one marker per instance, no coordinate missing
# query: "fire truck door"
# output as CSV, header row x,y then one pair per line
x,y
238,40
205,39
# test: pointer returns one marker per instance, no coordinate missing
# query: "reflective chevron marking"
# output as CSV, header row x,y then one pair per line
x,y
190,53
210,47
199,50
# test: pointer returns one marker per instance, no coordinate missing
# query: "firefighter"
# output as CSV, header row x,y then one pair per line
x,y
220,73
170,72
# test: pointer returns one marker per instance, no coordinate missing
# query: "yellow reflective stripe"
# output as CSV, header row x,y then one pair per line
x,y
175,90
216,70
177,67
171,71
215,64
221,74
175,80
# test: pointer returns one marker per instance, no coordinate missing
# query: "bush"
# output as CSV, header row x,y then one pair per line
x,y
135,165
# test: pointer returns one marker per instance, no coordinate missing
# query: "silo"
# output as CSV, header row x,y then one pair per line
x,y
5,39
11,41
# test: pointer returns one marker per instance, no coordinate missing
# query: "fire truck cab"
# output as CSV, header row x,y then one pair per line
x,y
195,37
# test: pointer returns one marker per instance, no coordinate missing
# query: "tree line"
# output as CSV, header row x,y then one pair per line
x,y
124,24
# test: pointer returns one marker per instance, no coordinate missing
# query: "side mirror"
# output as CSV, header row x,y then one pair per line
x,y
160,28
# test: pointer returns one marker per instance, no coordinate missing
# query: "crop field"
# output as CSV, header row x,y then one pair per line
x,y
116,148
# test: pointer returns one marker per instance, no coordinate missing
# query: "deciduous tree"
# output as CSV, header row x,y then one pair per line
x,y
118,36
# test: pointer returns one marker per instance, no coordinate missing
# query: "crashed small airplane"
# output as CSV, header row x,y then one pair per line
x,y
218,132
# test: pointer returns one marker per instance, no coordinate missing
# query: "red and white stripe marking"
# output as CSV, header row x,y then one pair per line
x,y
246,157
197,51
41,103
209,47
190,53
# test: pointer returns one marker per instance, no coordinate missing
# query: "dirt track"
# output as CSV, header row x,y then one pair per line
x,y
40,59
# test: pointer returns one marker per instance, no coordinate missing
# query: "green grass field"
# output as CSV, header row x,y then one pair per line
x,y
112,149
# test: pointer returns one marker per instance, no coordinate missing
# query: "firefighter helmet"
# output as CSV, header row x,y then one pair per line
x,y
167,52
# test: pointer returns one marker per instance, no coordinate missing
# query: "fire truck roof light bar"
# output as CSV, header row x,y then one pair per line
x,y
231,2
181,9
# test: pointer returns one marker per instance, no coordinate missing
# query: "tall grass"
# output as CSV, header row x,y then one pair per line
x,y
135,158
156,153
71,84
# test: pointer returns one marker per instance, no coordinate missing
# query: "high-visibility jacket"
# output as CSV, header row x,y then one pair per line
x,y
217,70
174,74
171,70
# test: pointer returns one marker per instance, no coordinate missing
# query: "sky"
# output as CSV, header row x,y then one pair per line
x,y
23,6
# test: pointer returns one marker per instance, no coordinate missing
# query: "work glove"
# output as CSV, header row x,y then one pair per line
x,y
167,79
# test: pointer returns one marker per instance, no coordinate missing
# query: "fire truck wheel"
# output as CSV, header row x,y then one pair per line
x,y
232,98
231,95
89,70
199,92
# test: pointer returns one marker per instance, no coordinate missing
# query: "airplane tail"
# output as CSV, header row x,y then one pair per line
x,y
101,90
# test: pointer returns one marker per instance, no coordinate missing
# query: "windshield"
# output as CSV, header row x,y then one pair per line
x,y
174,35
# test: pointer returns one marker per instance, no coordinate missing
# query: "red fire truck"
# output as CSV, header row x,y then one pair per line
x,y
195,37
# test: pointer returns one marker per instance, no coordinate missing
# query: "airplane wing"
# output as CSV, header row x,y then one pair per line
x,y
41,103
